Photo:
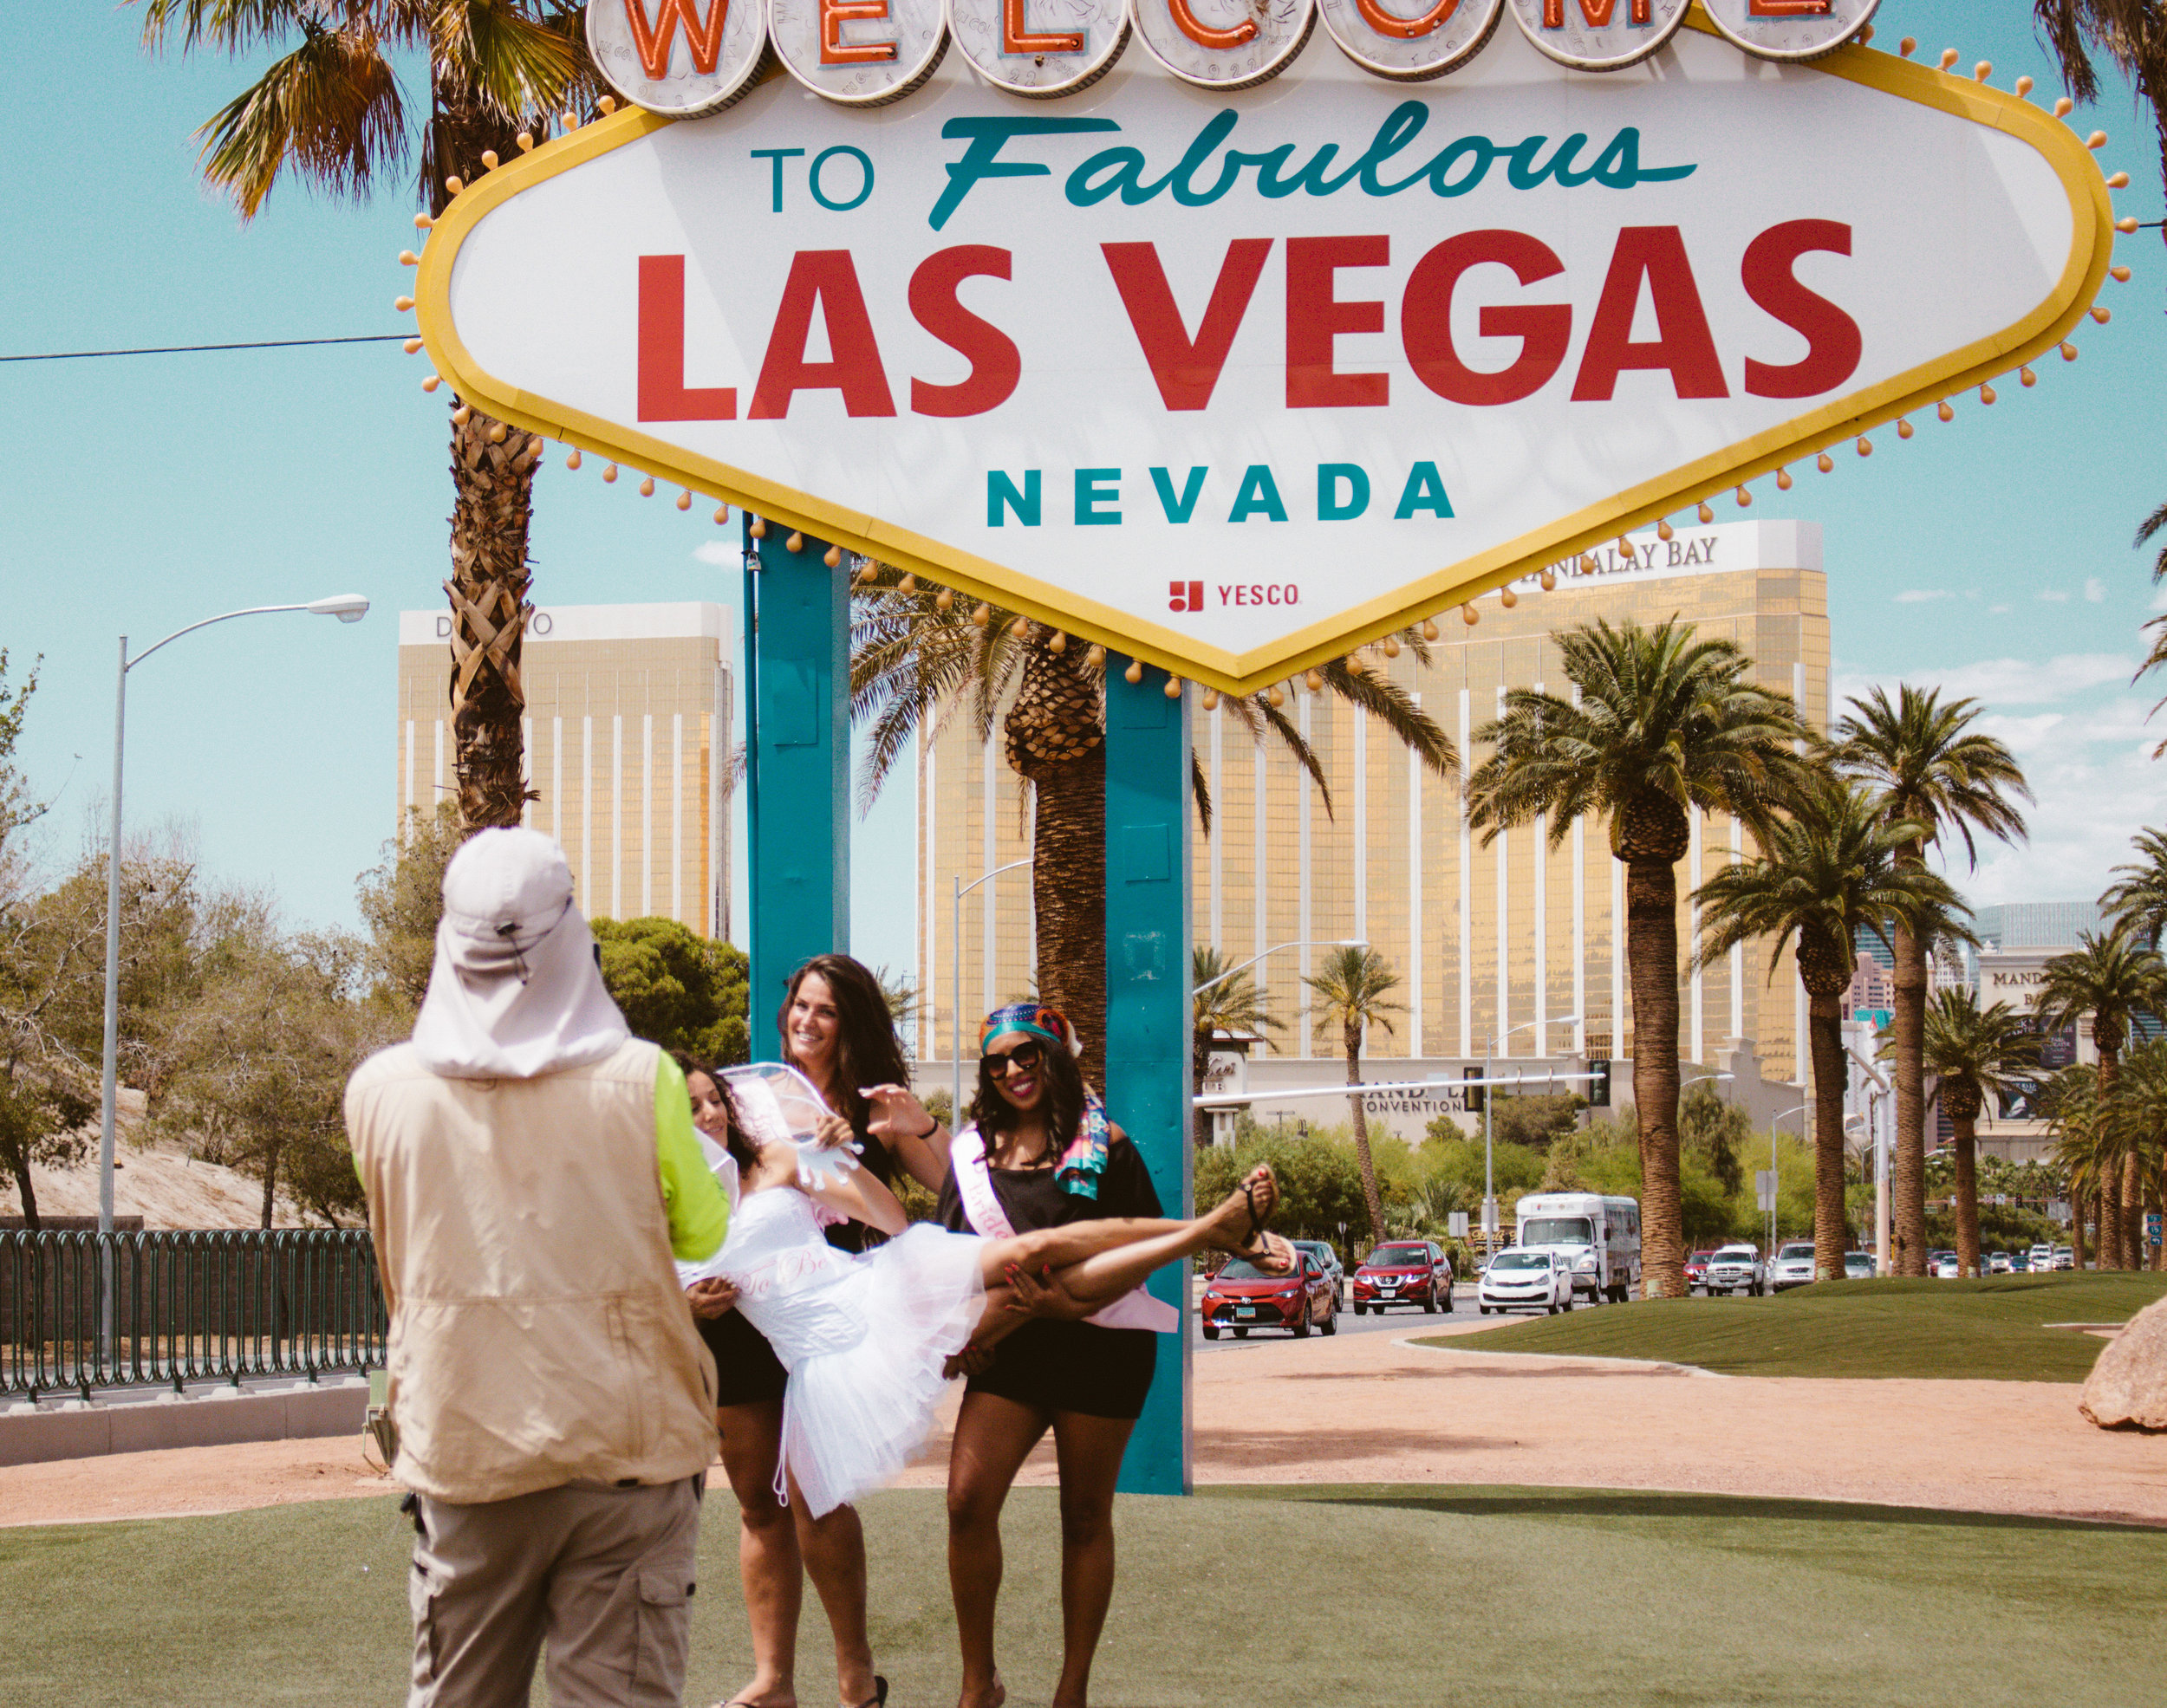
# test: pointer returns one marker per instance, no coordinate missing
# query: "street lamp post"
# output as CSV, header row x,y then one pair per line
x,y
1489,1116
955,984
347,608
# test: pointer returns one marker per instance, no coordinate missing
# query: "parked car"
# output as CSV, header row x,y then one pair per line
x,y
1947,1266
1859,1266
2001,1263
2065,1258
1404,1272
1523,1280
1241,1296
2020,1263
1329,1261
1737,1269
1793,1266
1696,1271
2042,1259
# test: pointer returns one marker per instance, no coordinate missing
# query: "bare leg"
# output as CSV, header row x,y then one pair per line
x,y
1226,1226
768,1563
1090,1449
834,1549
993,1437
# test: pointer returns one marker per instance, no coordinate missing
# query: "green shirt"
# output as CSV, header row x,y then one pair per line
x,y
700,1214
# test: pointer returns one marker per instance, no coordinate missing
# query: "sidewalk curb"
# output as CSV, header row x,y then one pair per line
x,y
214,1417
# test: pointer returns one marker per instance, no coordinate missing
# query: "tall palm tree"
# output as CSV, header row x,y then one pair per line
x,y
1356,986
1932,769
2070,1100
1977,1053
1223,999
331,109
1665,724
1831,870
2137,898
2138,1120
919,656
2113,979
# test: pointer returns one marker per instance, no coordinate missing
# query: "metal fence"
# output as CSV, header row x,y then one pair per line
x,y
86,1311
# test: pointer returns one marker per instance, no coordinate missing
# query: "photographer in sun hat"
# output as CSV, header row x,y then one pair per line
x,y
531,1169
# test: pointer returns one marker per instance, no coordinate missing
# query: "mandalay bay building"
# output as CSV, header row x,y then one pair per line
x,y
1486,939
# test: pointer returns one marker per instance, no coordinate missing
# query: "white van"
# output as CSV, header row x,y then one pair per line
x,y
1600,1237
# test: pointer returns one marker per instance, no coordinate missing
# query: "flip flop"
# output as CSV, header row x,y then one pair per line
x,y
879,1699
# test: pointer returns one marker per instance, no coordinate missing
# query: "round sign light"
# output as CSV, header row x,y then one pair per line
x,y
1792,29
671,57
859,53
1039,48
1411,40
1599,35
1225,44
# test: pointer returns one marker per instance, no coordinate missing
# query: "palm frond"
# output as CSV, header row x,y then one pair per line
x,y
491,54
331,108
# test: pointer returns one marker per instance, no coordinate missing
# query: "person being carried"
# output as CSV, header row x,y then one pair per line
x,y
531,1170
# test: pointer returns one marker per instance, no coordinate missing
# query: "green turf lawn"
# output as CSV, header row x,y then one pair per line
x,y
1992,1329
1331,1597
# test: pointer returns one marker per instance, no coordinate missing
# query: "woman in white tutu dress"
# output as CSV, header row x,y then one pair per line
x,y
867,1337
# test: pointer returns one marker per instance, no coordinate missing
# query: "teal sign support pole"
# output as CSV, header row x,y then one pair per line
x,y
1148,1019
797,768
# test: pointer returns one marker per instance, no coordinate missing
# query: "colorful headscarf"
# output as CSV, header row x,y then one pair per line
x,y
1084,1160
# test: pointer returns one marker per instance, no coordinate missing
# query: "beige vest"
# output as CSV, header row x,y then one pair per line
x,y
538,1334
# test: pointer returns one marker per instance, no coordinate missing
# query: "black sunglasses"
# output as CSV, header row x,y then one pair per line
x,y
1001,1063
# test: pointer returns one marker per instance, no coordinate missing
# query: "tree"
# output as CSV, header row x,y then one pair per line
x,y
1976,1054
2138,898
2136,1119
2070,1100
332,109
920,657
1830,871
18,806
678,989
2133,34
1223,1001
2113,979
1664,725
1716,1130
1536,1122
1934,770
401,899
1356,986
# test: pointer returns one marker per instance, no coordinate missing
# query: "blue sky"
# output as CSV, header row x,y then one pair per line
x,y
1991,556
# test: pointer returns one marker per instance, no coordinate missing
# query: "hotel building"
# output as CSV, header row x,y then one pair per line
x,y
626,737
1501,940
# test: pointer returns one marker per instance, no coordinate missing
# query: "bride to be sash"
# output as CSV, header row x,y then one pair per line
x,y
982,1209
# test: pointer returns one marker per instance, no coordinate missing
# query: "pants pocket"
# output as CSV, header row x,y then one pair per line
x,y
421,1602
662,1636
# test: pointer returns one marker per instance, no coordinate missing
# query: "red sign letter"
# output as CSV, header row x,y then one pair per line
x,y
1200,33
1544,329
1597,12
834,50
1406,29
1185,371
704,40
995,364
1831,336
1315,317
825,276
663,394
1790,9
1685,345
1016,36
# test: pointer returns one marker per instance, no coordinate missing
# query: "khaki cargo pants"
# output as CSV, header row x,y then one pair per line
x,y
603,1574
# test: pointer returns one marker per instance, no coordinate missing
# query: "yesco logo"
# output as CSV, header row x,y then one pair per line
x,y
686,57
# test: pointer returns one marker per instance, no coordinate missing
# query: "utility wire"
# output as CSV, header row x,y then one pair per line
x,y
191,349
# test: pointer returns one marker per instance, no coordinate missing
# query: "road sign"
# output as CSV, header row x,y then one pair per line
x,y
1236,384
1456,1224
1489,1215
1599,1085
1765,1187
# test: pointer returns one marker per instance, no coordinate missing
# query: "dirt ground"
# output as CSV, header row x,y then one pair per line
x,y
1371,1408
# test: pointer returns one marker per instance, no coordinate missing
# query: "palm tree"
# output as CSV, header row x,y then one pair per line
x,y
2138,1121
1830,871
919,656
1977,1053
1356,984
2070,1100
2137,899
1225,999
332,109
2133,34
2113,979
1934,770
1664,724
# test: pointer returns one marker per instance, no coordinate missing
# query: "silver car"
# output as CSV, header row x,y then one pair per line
x,y
1793,1266
1737,1269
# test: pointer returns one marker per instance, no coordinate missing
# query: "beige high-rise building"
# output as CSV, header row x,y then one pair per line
x,y
628,738
1485,939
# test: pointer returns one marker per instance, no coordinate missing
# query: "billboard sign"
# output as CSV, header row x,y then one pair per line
x,y
1235,379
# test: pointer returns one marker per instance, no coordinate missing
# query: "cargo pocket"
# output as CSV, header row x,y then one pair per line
x,y
421,1601
662,1641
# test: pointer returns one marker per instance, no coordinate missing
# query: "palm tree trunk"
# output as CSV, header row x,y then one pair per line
x,y
492,474
1831,1225
2112,1256
2077,1225
1068,891
1352,1035
1967,1193
1200,1060
1908,1023
1651,955
2133,1211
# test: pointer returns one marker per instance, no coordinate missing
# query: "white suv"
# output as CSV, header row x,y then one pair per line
x,y
1793,1266
1737,1269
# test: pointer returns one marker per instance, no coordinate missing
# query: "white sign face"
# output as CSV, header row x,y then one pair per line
x,y
1795,29
1039,48
1411,42
671,57
1600,35
1233,382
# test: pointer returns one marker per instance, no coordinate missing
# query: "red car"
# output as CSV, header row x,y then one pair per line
x,y
1697,1269
1241,1296
1404,1272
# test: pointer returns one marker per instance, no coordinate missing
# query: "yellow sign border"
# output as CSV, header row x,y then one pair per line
x,y
2090,251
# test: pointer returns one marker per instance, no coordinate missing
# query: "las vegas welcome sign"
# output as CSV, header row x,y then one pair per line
x,y
1231,353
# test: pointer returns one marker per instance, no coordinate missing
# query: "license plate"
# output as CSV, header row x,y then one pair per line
x,y
1388,1292
1244,1310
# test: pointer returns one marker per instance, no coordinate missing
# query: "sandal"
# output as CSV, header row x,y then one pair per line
x,y
879,1699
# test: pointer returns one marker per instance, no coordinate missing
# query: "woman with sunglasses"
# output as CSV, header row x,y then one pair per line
x,y
1040,1153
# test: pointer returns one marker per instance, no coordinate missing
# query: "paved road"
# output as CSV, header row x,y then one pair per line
x,y
1391,1322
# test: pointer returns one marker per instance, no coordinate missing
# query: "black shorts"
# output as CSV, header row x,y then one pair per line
x,y
1073,1366
747,1372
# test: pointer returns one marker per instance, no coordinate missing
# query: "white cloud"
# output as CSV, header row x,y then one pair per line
x,y
2095,590
2004,682
2000,610
1921,595
2054,595
719,553
2090,799
2159,597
